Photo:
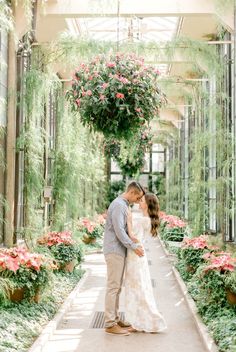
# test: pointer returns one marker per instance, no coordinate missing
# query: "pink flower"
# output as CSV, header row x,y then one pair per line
x,y
123,80
102,97
196,242
120,96
157,72
89,92
221,261
78,102
111,64
138,109
105,85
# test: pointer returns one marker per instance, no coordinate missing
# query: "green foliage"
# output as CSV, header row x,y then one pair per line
x,y
21,323
31,280
129,154
97,232
76,183
158,186
115,188
192,257
78,179
174,234
66,253
6,20
38,86
5,285
230,281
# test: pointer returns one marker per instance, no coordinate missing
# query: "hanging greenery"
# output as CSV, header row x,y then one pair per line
x,y
31,142
78,178
6,21
129,155
116,95
131,159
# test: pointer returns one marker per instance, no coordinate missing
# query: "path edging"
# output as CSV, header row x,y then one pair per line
x,y
202,329
206,338
53,324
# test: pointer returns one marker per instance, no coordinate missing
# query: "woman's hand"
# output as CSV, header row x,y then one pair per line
x,y
134,239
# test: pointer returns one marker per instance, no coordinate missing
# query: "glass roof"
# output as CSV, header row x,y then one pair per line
x,y
125,29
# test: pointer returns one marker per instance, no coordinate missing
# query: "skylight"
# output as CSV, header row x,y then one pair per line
x,y
127,29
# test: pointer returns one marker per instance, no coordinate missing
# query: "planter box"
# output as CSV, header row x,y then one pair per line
x,y
69,266
17,294
88,240
231,297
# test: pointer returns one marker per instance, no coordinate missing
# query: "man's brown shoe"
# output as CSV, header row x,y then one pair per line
x,y
131,329
123,324
117,330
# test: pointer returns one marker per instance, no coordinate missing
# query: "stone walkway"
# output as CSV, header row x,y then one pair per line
x,y
75,332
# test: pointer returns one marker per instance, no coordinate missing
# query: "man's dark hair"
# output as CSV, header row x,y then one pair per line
x,y
135,185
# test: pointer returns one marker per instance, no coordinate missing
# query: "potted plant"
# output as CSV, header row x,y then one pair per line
x,y
192,252
64,249
230,284
91,230
116,94
28,272
172,228
224,265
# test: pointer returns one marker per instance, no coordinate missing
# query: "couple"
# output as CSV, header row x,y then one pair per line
x,y
123,249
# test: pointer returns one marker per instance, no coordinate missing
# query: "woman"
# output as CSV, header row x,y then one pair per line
x,y
140,305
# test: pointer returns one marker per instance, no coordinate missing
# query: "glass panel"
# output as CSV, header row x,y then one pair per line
x,y
143,180
158,162
146,167
157,148
126,29
116,178
114,166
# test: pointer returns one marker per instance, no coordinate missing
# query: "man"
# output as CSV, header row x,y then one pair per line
x,y
116,242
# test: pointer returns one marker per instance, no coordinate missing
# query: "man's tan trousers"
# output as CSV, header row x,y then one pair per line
x,y
115,272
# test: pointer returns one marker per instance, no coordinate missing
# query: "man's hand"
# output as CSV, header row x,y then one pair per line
x,y
139,251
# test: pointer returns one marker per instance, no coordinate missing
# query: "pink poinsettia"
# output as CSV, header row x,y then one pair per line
x,y
196,242
220,261
172,221
13,258
54,238
120,96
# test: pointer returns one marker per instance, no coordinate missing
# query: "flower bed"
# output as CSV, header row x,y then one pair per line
x,y
22,322
210,274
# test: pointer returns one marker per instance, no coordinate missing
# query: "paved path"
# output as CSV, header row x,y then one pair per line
x,y
75,334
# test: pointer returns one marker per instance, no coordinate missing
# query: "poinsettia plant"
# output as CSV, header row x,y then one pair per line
x,y
172,227
116,94
92,229
30,271
62,246
220,261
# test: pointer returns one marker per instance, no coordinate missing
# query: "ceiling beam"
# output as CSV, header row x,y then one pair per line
x,y
131,8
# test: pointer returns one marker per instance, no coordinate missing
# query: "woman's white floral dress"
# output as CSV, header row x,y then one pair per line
x,y
140,306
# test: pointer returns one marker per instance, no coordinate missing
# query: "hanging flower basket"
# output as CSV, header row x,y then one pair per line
x,y
116,95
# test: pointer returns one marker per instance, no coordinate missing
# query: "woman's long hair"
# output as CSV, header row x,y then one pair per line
x,y
153,212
